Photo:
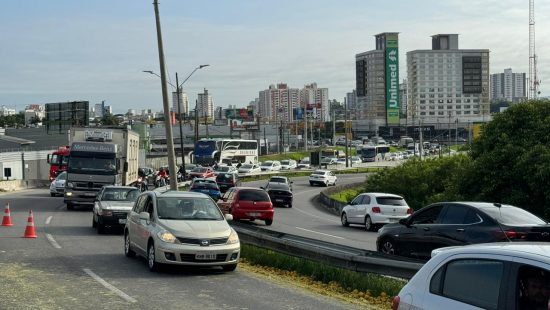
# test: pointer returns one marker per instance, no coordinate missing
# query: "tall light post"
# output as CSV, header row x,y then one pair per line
x,y
178,90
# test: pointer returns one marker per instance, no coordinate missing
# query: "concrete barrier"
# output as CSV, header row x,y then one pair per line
x,y
15,185
333,205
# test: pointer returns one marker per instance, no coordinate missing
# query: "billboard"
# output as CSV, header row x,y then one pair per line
x,y
392,80
298,113
240,114
63,115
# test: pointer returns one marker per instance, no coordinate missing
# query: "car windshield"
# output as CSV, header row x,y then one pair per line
x,y
277,179
247,166
305,161
120,194
223,169
62,176
513,216
199,169
285,162
391,201
188,208
253,195
206,185
267,164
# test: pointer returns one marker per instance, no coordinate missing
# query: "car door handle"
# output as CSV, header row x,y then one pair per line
x,y
426,228
460,229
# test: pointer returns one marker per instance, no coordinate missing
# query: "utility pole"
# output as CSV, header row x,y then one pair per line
x,y
206,124
181,130
305,131
196,121
166,106
265,143
346,132
333,125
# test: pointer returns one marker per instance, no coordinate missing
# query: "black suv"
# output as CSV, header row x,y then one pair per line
x,y
459,223
227,180
280,193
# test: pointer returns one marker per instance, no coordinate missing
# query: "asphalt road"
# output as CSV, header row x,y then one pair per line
x,y
69,266
308,218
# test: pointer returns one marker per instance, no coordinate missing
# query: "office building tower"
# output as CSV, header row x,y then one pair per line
x,y
508,86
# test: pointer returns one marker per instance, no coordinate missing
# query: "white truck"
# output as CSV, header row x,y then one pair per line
x,y
98,157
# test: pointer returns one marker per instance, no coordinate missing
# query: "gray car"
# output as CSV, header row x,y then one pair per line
x,y
180,228
112,205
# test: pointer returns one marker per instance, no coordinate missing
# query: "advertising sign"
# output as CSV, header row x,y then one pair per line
x,y
392,80
298,113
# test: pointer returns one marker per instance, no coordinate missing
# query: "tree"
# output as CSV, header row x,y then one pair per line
x,y
511,159
109,119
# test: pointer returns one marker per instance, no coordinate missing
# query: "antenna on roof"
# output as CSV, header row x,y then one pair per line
x,y
498,205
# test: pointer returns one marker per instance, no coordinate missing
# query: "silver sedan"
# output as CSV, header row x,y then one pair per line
x,y
181,228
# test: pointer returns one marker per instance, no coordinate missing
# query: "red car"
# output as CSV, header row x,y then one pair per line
x,y
201,172
247,203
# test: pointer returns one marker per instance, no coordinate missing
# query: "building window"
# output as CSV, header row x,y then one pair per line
x,y
458,107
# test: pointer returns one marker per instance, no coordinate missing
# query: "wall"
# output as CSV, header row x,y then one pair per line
x,y
35,165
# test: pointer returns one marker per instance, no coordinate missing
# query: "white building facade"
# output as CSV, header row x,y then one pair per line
x,y
447,84
508,86
205,106
183,102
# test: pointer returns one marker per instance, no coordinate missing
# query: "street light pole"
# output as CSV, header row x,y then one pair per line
x,y
168,127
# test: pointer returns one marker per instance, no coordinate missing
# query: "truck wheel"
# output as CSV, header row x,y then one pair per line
x,y
70,206
100,228
94,223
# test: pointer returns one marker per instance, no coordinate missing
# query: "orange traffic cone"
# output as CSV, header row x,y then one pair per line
x,y
29,231
6,220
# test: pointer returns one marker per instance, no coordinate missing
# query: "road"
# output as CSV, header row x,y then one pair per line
x,y
309,219
70,266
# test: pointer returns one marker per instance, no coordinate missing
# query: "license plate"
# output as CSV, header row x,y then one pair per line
x,y
256,214
394,220
122,221
205,256
279,200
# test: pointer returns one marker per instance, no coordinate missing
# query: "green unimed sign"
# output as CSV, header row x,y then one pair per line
x,y
392,80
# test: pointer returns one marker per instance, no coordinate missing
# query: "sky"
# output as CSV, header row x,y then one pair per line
x,y
67,50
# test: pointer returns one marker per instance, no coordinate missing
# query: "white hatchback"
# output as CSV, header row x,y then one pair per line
x,y
57,187
500,275
288,164
322,177
374,210
271,165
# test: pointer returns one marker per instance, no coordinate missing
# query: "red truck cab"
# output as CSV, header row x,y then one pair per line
x,y
58,161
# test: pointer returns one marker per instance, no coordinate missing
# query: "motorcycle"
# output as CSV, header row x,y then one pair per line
x,y
141,184
161,181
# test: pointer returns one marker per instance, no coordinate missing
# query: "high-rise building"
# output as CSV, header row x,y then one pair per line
x,y
351,100
183,102
377,84
403,98
5,111
205,106
447,84
315,101
99,110
508,86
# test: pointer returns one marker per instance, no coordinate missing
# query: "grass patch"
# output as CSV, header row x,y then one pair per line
x,y
346,195
359,285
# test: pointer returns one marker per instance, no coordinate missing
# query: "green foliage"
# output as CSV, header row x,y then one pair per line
x,y
12,120
347,195
376,284
512,159
422,182
109,119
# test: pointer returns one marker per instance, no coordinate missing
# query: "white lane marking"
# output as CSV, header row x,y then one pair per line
x,y
52,241
320,233
48,220
109,286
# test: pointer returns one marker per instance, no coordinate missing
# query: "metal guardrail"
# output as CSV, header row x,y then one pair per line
x,y
332,254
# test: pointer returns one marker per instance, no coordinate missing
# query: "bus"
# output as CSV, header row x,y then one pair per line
x,y
226,151
368,153
404,141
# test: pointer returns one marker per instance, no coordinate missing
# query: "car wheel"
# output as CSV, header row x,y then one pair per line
x,y
52,194
326,184
368,224
344,220
311,183
94,223
231,267
70,206
268,222
127,247
151,258
388,247
290,205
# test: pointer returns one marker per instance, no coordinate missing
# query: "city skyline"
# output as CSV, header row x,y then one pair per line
x,y
248,45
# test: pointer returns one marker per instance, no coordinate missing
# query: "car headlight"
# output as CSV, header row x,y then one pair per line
x,y
69,185
166,236
233,238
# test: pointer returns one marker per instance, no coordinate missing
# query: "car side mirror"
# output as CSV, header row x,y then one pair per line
x,y
144,216
262,187
291,182
228,217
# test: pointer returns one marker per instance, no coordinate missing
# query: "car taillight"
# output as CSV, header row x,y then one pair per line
x,y
409,211
395,303
375,209
515,234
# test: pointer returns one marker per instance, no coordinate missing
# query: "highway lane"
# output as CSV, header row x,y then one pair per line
x,y
308,218
77,268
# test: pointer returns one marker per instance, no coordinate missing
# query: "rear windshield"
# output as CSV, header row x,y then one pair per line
x,y
225,168
253,195
224,177
267,163
391,201
278,180
513,216
318,172
278,186
205,185
247,166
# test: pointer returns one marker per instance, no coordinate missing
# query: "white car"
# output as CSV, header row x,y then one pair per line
x,y
322,177
57,187
356,160
271,165
374,210
342,161
288,164
250,168
328,160
500,275
304,163
225,169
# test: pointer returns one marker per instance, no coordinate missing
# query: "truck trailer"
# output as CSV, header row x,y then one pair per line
x,y
99,157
